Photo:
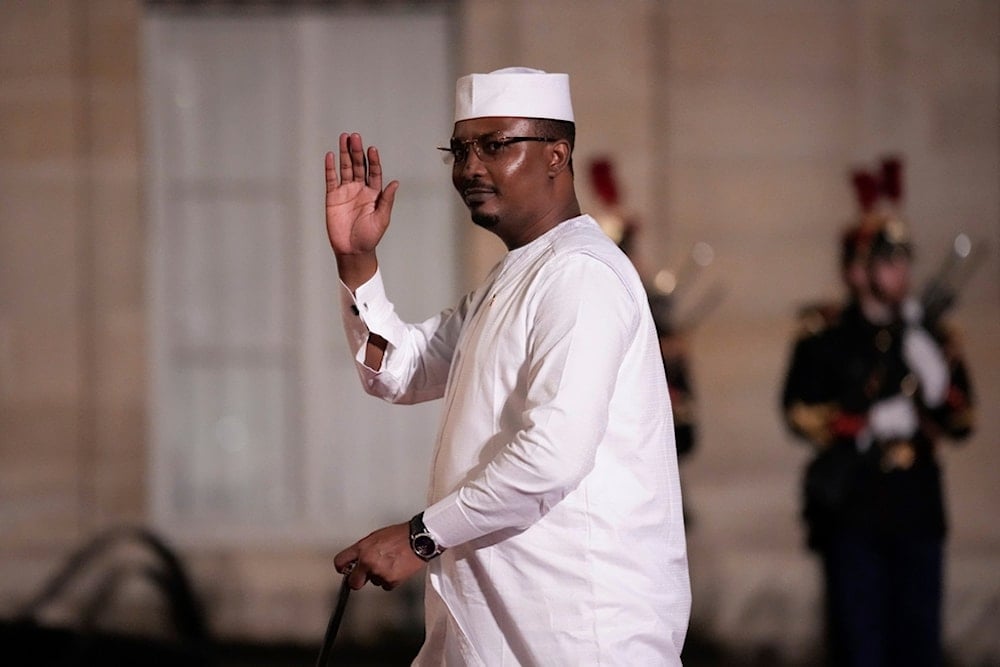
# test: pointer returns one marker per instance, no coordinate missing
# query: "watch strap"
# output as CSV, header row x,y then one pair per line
x,y
422,542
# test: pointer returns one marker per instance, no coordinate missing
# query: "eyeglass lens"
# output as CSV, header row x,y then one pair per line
x,y
486,147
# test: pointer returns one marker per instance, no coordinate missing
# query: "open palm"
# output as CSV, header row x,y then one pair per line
x,y
357,208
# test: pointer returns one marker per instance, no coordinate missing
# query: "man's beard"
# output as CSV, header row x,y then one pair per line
x,y
486,221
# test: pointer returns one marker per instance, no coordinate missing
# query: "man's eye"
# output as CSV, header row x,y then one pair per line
x,y
493,146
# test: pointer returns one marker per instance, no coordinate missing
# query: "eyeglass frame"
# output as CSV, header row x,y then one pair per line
x,y
478,148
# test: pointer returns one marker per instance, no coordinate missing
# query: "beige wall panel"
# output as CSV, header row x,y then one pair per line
x,y
729,121
35,38
38,245
46,358
112,46
774,229
118,238
805,199
802,41
121,431
743,382
39,486
37,431
113,124
488,33
118,489
38,126
756,289
605,51
121,353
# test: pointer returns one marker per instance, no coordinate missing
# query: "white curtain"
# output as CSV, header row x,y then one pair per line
x,y
260,430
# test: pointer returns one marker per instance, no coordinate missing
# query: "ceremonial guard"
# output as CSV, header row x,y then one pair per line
x,y
624,228
874,386
674,352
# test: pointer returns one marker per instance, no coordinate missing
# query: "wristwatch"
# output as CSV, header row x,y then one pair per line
x,y
421,541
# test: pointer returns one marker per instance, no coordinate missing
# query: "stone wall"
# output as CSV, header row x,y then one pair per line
x,y
71,294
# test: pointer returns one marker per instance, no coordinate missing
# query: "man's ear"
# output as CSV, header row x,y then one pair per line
x,y
559,157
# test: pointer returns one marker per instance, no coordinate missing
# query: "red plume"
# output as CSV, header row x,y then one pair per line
x,y
892,179
865,189
603,180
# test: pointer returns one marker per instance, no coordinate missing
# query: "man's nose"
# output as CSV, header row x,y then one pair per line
x,y
472,164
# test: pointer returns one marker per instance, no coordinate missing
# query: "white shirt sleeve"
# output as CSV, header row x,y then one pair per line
x,y
418,356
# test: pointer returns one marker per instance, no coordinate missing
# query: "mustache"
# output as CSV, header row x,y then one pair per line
x,y
466,187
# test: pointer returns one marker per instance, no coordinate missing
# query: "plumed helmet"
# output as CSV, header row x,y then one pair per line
x,y
883,237
891,240
892,179
866,189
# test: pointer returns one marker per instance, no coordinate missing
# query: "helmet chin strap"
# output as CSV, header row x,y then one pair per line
x,y
879,305
877,309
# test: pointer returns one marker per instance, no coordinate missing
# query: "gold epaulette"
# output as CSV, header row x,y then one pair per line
x,y
814,318
812,421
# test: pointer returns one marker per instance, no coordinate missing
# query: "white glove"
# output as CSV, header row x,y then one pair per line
x,y
912,311
893,418
924,357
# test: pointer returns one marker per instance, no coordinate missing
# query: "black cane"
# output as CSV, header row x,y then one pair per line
x,y
335,618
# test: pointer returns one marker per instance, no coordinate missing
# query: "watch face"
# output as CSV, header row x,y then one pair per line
x,y
424,546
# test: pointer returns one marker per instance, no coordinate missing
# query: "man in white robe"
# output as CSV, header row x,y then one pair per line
x,y
553,533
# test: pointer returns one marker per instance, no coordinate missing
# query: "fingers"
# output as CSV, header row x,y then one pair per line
x,y
375,178
348,564
352,158
346,560
384,558
346,168
356,148
388,197
354,167
359,574
331,173
374,168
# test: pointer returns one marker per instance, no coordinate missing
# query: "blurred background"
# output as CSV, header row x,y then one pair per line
x,y
171,356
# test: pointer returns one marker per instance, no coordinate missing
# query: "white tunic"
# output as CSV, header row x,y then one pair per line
x,y
555,483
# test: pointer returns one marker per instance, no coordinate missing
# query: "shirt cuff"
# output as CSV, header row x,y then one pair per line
x,y
447,523
369,301
371,308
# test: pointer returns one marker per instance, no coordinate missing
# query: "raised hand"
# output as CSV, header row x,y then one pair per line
x,y
357,207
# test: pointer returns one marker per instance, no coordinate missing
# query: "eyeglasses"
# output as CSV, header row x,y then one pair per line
x,y
487,147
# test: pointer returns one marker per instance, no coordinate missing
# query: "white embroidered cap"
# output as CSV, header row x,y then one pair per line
x,y
517,92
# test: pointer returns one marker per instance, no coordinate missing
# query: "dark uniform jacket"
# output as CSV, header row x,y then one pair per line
x,y
835,376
